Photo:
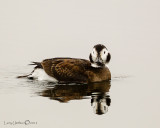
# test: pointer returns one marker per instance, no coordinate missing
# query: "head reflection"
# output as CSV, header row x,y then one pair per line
x,y
100,102
97,92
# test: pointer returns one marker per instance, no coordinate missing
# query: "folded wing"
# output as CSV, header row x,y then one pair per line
x,y
67,69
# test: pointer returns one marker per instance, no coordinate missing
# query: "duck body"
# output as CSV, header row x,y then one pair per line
x,y
69,70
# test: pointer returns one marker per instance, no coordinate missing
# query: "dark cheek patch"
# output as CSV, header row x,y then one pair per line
x,y
90,58
108,58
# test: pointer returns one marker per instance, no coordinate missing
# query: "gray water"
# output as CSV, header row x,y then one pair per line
x,y
36,30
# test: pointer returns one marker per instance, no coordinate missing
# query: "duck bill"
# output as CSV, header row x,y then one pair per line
x,y
99,60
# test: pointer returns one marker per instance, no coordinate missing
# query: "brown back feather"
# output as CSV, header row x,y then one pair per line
x,y
66,69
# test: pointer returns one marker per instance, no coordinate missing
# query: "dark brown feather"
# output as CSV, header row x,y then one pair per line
x,y
66,69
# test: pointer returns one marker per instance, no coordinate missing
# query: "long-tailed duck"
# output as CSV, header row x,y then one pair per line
x,y
73,70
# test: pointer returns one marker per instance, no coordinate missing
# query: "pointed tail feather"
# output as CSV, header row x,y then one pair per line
x,y
23,76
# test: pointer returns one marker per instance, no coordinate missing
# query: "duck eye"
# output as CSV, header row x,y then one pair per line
x,y
104,52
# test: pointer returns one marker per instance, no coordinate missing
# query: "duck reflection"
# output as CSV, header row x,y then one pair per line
x,y
97,92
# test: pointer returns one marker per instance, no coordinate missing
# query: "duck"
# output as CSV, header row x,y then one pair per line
x,y
74,70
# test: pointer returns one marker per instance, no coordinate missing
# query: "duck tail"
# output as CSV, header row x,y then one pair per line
x,y
37,65
23,76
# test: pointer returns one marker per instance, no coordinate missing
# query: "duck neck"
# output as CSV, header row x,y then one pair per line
x,y
97,65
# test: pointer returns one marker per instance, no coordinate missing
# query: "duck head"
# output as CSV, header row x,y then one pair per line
x,y
99,56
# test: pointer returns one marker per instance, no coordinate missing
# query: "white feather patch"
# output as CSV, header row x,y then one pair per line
x,y
41,75
96,66
104,54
